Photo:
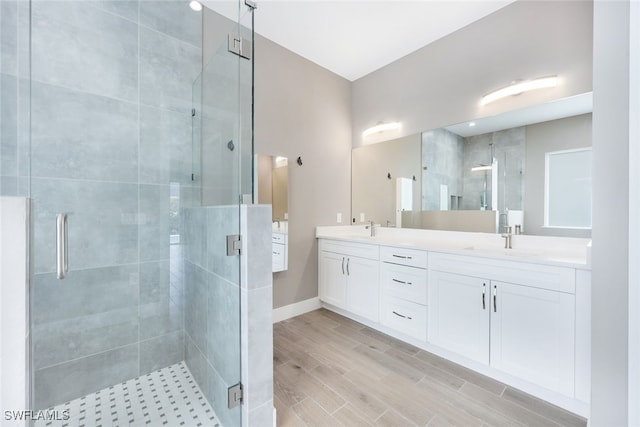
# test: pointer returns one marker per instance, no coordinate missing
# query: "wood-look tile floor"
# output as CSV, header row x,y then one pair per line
x,y
332,371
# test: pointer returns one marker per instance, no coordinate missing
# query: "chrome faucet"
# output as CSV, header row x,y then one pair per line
x,y
507,238
390,224
278,221
371,227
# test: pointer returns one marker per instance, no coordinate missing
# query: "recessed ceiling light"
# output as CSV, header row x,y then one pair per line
x,y
472,124
195,5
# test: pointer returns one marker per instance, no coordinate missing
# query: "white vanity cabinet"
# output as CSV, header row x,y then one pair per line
x,y
349,277
279,251
459,314
524,327
403,291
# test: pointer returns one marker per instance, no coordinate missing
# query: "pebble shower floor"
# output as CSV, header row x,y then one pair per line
x,y
167,397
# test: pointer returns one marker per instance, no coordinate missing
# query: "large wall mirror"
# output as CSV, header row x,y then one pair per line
x,y
518,168
272,188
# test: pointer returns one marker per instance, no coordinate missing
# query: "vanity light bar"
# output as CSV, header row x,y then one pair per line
x,y
520,87
381,127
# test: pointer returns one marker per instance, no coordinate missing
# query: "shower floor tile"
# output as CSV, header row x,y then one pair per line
x,y
167,397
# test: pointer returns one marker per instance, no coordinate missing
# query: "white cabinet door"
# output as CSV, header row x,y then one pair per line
x,y
363,289
532,335
458,319
333,279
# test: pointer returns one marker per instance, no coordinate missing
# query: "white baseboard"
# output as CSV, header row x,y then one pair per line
x,y
296,309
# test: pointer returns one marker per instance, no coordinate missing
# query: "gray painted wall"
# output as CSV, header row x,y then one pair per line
x,y
442,83
304,110
563,134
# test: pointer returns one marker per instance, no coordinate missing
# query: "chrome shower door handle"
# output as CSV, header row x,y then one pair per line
x,y
62,246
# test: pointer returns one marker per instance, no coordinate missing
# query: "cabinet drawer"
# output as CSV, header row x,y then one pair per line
x,y
400,281
277,257
411,257
279,238
405,317
361,250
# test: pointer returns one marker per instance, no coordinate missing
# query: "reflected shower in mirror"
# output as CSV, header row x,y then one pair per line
x,y
272,188
483,175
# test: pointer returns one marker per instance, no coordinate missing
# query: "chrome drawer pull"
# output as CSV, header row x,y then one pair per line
x,y
401,256
400,315
400,281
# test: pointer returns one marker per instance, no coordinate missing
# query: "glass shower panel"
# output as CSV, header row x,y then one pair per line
x,y
14,98
112,146
212,285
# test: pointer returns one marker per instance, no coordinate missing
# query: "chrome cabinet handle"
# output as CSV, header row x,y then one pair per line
x,y
401,256
348,260
343,265
62,246
495,301
400,281
484,292
400,315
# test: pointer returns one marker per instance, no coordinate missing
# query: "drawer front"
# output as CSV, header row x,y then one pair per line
x,y
411,257
361,250
408,283
405,317
279,238
277,257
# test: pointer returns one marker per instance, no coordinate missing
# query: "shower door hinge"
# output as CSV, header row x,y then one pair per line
x,y
234,244
235,395
240,46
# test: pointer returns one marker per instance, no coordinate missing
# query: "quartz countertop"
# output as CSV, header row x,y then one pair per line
x,y
548,250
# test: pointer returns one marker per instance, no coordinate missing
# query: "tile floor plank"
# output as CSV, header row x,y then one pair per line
x,y
333,371
361,398
312,414
328,399
466,374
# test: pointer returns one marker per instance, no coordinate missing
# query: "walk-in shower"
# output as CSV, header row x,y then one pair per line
x,y
115,121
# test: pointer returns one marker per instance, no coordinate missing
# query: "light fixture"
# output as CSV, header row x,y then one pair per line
x,y
481,168
381,127
472,124
519,87
195,5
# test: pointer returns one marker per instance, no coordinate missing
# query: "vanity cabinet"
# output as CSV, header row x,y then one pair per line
x,y
403,291
349,277
279,251
525,329
459,314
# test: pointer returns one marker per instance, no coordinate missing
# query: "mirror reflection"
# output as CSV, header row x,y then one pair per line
x,y
272,188
486,175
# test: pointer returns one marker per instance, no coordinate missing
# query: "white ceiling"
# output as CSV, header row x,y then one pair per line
x,y
353,38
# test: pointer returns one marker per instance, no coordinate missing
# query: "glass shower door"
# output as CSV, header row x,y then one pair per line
x,y
141,310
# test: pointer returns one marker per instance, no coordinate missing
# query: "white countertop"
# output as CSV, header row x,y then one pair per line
x,y
282,227
560,251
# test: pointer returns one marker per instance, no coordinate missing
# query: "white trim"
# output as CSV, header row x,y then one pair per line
x,y
295,309
634,209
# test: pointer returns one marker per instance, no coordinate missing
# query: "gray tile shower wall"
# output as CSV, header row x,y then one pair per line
x,y
212,304
14,97
228,306
111,145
